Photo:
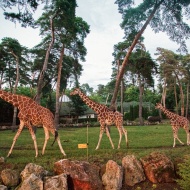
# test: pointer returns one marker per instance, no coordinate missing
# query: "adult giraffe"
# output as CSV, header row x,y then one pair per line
x,y
31,113
176,122
105,117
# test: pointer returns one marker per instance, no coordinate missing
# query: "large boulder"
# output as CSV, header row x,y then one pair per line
x,y
113,176
32,182
133,170
32,177
32,168
81,175
158,168
10,177
58,182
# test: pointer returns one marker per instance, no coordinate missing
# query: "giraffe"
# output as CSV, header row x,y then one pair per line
x,y
105,117
31,113
176,122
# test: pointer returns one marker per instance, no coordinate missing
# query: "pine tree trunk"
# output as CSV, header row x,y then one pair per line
x,y
140,101
40,81
181,96
163,101
13,127
122,86
187,100
175,94
56,119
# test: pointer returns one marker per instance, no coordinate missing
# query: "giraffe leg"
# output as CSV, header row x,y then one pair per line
x,y
125,133
108,135
121,132
188,137
188,134
174,143
176,137
30,128
60,146
120,137
16,137
100,137
59,143
46,139
179,140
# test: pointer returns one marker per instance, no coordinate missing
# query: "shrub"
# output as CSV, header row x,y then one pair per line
x,y
184,173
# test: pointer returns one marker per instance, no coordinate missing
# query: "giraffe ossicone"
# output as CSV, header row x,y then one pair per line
x,y
31,113
106,117
176,122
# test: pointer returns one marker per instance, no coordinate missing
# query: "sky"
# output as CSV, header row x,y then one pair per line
x,y
105,32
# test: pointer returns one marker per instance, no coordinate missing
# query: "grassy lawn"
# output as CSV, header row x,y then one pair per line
x,y
142,141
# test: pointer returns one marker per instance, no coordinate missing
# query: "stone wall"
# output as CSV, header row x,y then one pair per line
x,y
80,175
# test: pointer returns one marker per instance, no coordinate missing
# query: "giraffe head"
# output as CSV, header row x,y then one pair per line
x,y
75,91
158,106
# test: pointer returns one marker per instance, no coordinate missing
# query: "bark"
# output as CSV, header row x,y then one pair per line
x,y
107,98
163,101
122,86
125,61
40,81
187,101
14,90
175,94
1,80
140,100
56,119
181,95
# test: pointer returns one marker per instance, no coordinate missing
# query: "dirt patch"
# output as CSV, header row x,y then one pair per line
x,y
147,185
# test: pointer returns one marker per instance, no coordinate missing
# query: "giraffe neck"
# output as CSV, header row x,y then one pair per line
x,y
90,103
167,112
11,98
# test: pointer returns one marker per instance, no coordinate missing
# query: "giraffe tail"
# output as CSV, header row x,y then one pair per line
x,y
56,135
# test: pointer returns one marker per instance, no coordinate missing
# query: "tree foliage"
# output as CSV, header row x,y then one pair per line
x,y
165,16
170,17
23,11
11,53
174,71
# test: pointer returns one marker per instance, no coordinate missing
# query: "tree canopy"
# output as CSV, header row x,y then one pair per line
x,y
162,16
20,10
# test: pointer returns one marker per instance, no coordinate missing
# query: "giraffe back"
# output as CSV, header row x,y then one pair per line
x,y
179,120
110,117
29,110
175,119
39,115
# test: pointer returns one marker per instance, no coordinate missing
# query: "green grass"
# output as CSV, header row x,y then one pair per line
x,y
142,141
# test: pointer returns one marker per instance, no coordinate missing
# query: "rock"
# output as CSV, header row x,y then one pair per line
x,y
81,175
10,177
58,182
31,168
158,168
133,170
2,187
112,179
31,182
